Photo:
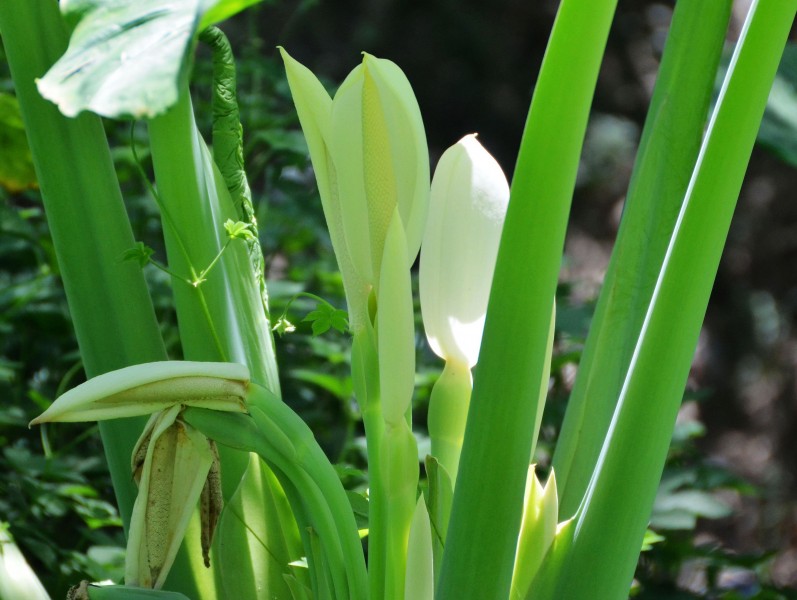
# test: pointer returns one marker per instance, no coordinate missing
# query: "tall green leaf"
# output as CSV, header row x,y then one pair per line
x,y
610,524
670,143
488,499
108,300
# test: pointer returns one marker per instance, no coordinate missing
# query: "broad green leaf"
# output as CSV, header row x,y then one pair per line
x,y
129,59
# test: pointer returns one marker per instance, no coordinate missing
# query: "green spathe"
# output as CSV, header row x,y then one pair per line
x,y
369,153
150,387
172,460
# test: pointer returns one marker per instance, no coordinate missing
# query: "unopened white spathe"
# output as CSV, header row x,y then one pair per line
x,y
466,214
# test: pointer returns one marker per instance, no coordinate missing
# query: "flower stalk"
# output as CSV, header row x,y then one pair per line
x,y
468,203
368,148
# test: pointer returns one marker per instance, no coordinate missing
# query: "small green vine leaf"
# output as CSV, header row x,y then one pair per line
x,y
140,253
325,317
238,230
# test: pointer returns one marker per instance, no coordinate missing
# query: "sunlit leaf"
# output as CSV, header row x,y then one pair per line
x,y
128,59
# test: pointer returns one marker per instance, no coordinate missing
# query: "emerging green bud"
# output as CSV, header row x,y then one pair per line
x,y
537,531
466,215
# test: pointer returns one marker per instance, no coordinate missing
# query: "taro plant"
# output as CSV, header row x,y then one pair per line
x,y
272,519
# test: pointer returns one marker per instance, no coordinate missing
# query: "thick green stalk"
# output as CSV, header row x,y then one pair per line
x,y
488,499
365,375
281,438
108,299
610,524
398,470
222,318
448,413
667,153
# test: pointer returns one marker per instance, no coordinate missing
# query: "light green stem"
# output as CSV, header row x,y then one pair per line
x,y
398,470
281,438
448,413
365,375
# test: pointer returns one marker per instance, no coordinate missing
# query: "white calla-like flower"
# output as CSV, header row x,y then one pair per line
x,y
466,215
